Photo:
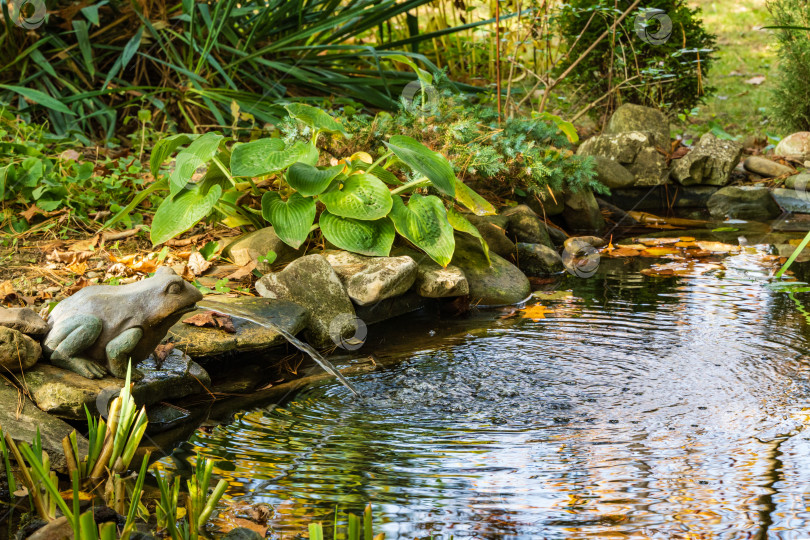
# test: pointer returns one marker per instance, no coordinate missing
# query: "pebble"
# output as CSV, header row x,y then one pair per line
x,y
765,167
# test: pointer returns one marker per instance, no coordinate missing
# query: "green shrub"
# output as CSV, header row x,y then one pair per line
x,y
791,103
519,154
669,75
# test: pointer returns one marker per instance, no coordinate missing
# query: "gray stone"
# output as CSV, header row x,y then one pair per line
x,y
743,202
791,200
390,308
631,117
433,281
544,204
593,241
799,182
18,352
200,342
242,533
493,229
582,212
23,320
795,145
249,247
372,279
523,225
501,283
312,283
612,174
22,422
65,394
634,150
558,236
536,260
765,167
711,162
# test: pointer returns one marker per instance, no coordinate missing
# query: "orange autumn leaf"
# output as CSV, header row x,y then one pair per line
x,y
686,244
535,312
624,252
659,251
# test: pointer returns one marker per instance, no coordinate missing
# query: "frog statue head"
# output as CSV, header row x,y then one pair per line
x,y
111,325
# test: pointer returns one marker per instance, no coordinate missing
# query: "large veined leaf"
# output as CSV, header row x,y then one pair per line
x,y
266,156
315,118
462,224
179,214
425,161
474,202
372,238
310,181
360,196
424,223
197,154
164,148
291,220
385,175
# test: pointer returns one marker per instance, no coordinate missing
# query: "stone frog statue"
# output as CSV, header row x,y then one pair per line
x,y
111,324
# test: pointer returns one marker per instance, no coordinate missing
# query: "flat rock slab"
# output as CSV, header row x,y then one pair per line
x,y
200,342
22,425
65,394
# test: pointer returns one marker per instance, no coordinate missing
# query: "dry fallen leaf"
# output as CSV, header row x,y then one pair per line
x,y
80,283
242,272
212,319
756,81
162,352
666,270
143,264
78,268
7,292
718,247
69,257
637,247
197,263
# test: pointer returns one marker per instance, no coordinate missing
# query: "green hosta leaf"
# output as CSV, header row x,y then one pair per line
x,y
197,154
424,223
309,181
315,118
474,202
292,219
360,196
425,161
266,156
386,176
460,223
179,214
373,238
165,148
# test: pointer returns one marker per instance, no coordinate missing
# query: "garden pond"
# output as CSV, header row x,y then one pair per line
x,y
621,405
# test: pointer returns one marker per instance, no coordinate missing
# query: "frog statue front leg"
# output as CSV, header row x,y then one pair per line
x,y
74,335
118,350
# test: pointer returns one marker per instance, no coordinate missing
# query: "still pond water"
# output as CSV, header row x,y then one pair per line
x,y
637,407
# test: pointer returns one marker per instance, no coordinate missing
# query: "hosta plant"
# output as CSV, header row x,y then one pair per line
x,y
359,204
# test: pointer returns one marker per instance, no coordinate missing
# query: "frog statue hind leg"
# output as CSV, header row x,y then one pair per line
x,y
77,333
71,337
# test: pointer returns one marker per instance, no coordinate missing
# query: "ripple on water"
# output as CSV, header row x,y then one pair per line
x,y
639,407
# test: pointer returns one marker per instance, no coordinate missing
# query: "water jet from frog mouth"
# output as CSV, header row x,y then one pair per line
x,y
294,341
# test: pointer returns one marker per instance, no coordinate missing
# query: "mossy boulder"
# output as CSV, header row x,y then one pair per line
x,y
632,117
524,225
743,202
500,283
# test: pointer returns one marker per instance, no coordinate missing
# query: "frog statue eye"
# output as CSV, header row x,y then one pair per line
x,y
174,288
